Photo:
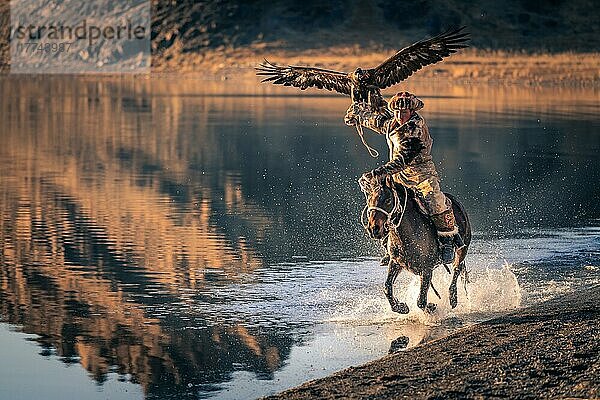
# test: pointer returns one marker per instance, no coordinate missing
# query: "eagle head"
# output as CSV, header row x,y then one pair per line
x,y
359,75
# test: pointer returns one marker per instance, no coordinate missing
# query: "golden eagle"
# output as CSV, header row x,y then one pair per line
x,y
366,84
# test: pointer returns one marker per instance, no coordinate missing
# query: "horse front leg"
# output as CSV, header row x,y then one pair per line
x,y
426,276
394,269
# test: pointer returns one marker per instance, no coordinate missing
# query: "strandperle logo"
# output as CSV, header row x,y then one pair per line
x,y
83,31
75,36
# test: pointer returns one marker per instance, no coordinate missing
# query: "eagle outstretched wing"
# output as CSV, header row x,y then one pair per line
x,y
304,77
414,57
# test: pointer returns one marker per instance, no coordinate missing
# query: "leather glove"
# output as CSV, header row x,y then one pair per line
x,y
367,176
351,118
378,173
356,109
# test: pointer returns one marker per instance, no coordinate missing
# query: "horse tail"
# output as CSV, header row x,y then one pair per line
x,y
435,291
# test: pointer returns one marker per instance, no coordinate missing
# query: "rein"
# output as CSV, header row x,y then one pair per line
x,y
367,188
389,214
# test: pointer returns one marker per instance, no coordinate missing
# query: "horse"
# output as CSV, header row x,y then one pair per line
x,y
395,213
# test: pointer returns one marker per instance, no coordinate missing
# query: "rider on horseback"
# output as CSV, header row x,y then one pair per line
x,y
410,162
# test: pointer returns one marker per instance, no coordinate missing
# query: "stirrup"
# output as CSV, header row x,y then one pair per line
x,y
458,241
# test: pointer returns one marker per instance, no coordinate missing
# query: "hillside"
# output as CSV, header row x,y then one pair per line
x,y
216,34
551,25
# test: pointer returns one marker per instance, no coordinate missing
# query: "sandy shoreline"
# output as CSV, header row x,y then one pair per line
x,y
465,67
551,350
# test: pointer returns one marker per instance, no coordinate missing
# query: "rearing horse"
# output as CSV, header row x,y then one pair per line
x,y
394,212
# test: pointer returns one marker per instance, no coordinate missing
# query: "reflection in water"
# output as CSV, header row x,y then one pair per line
x,y
107,216
173,233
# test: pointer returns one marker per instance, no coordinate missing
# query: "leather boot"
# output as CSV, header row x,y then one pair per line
x,y
447,231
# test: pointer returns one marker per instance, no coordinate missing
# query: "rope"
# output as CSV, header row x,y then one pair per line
x,y
367,188
372,152
362,216
405,198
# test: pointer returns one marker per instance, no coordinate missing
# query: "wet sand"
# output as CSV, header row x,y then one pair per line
x,y
550,350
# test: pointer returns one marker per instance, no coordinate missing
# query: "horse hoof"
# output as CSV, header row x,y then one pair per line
x,y
431,307
453,301
400,308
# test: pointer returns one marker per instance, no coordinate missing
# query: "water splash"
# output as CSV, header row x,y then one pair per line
x,y
490,290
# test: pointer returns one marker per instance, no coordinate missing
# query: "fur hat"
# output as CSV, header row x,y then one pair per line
x,y
405,101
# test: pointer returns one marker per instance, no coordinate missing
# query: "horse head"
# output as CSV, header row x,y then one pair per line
x,y
382,208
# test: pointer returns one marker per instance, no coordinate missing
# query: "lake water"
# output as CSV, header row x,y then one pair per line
x,y
171,237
